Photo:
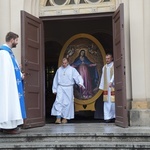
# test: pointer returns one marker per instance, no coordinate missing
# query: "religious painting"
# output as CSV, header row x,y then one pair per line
x,y
86,54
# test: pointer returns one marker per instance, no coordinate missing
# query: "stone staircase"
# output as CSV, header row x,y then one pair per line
x,y
75,137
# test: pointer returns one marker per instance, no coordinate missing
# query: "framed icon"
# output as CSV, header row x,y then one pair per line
x,y
87,55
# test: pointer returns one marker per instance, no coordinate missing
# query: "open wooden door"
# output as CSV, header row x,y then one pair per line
x,y
119,66
33,65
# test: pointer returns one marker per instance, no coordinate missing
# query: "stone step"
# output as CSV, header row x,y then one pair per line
x,y
76,146
78,137
75,137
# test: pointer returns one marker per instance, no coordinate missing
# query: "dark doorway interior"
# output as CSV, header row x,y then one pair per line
x,y
57,32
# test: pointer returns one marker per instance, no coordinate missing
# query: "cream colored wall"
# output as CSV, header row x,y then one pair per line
x,y
10,18
147,46
32,7
139,45
5,19
137,49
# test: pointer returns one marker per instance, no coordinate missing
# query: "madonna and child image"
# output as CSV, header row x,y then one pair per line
x,y
86,57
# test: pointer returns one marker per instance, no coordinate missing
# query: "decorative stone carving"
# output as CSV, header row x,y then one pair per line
x,y
76,1
67,2
69,7
93,2
54,2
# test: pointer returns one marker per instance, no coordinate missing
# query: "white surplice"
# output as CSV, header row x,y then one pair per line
x,y
109,107
63,83
10,111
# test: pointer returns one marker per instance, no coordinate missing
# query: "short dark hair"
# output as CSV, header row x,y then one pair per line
x,y
109,54
65,58
11,35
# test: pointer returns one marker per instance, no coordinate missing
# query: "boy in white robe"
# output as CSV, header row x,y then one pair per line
x,y
66,76
107,85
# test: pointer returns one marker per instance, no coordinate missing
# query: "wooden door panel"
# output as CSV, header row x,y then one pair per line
x,y
119,67
33,65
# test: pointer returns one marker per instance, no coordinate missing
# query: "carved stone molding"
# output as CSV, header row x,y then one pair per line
x,y
93,2
63,2
69,7
67,2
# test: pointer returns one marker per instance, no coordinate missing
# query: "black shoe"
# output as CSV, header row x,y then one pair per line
x,y
113,120
108,121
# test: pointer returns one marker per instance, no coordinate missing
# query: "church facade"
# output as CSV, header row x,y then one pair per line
x,y
136,38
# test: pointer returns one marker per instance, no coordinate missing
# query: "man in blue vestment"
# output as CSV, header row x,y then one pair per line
x,y
12,106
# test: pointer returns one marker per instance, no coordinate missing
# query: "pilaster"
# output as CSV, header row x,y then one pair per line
x,y
139,45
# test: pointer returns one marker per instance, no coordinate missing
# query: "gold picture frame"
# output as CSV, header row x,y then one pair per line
x,y
94,60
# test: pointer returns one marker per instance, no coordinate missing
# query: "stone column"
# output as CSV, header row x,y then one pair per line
x,y
139,45
147,46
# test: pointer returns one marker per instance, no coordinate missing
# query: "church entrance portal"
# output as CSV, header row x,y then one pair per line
x,y
57,32
58,29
